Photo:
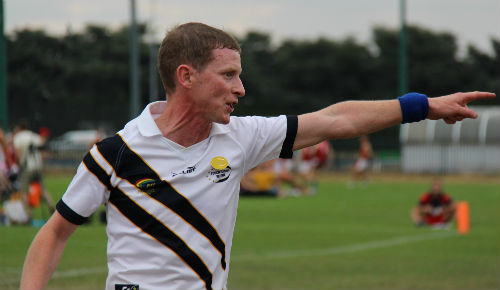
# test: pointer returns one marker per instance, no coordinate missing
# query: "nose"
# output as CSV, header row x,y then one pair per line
x,y
239,89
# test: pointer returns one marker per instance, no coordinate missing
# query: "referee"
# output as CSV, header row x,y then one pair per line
x,y
170,178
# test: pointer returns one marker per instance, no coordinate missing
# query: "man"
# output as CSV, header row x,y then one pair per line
x,y
27,146
435,208
361,167
171,177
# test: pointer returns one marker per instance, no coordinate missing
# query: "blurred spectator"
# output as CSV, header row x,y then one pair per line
x,y
5,184
314,158
435,208
318,156
44,133
12,158
362,165
28,145
261,181
290,172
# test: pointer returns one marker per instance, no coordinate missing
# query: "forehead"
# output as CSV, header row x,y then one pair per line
x,y
225,57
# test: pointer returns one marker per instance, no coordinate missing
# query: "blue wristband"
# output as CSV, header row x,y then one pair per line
x,y
414,107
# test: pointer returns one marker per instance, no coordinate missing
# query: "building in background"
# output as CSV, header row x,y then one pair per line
x,y
470,146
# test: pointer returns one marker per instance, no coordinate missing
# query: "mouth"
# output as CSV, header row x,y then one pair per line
x,y
232,105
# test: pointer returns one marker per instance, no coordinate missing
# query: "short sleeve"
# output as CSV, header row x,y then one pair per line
x,y
265,138
84,195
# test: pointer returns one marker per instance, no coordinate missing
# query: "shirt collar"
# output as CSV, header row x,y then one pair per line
x,y
147,125
218,129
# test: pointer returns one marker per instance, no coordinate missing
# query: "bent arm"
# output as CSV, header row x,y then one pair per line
x,y
45,251
355,118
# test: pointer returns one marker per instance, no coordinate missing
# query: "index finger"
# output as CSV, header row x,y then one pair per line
x,y
473,96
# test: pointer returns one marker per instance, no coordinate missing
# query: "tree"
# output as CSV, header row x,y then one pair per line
x,y
69,81
82,79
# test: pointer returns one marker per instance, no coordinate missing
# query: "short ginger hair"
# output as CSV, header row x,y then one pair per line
x,y
190,43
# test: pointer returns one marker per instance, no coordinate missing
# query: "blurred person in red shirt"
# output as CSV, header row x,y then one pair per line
x,y
435,208
363,162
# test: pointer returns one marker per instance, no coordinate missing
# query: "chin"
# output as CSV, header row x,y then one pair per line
x,y
222,120
225,121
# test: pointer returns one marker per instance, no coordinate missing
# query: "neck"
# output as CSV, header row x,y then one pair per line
x,y
180,123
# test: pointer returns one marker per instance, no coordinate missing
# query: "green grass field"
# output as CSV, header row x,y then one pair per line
x,y
340,238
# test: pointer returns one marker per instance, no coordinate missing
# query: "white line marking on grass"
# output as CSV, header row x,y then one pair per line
x,y
14,279
342,249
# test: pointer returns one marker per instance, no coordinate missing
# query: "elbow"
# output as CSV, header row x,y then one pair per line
x,y
343,121
342,129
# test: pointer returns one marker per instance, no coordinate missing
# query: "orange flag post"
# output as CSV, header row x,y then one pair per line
x,y
463,223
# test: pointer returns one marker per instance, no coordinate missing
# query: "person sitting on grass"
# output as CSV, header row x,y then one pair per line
x,y
435,208
261,181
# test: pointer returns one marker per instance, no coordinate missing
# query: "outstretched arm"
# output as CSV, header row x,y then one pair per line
x,y
355,118
45,252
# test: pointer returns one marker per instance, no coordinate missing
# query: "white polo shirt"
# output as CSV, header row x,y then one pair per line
x,y
171,210
27,142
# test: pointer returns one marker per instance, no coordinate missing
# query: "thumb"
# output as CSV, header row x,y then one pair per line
x,y
467,112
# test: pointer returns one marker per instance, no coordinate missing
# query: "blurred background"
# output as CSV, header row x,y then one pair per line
x,y
77,71
89,66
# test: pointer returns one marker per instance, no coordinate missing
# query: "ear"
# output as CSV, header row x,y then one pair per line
x,y
185,75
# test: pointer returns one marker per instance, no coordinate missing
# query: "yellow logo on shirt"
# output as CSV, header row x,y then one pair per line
x,y
220,170
219,162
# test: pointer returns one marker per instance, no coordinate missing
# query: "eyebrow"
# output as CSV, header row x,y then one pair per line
x,y
238,70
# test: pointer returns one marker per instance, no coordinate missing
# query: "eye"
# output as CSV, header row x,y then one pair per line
x,y
229,75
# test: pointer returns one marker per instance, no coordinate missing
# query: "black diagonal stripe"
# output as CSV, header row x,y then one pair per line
x,y
130,166
97,170
157,230
148,223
